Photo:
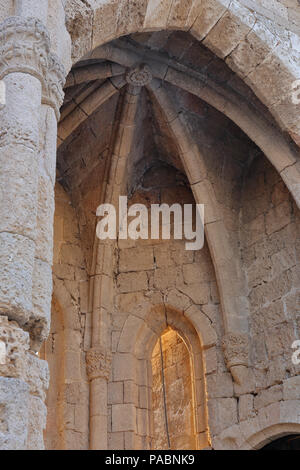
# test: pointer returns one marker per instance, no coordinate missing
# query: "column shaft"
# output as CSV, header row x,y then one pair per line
x,y
19,142
33,81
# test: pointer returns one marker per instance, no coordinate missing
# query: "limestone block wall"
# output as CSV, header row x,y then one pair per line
x,y
256,39
285,13
81,166
268,402
68,395
270,236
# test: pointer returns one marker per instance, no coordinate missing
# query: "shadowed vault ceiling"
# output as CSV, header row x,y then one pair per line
x,y
94,102
208,126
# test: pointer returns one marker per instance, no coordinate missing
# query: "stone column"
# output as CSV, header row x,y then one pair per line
x,y
52,99
98,363
33,80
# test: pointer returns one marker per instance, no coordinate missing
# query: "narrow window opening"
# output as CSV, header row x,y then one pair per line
x,y
172,394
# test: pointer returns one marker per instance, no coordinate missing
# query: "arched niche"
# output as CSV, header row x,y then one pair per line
x,y
135,348
173,394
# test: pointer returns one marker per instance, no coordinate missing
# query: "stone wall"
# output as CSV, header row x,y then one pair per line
x,y
270,236
286,13
81,166
68,395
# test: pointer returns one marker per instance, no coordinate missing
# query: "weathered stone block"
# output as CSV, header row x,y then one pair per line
x,y
132,282
278,218
209,15
222,414
14,413
15,346
123,418
157,14
246,408
219,386
136,259
115,393
123,367
16,270
269,396
39,323
37,376
130,392
291,388
45,214
18,193
36,423
230,30
116,441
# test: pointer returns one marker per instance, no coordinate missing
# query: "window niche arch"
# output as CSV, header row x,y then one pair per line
x,y
136,345
173,394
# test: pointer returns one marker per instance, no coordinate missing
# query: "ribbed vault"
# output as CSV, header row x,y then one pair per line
x,y
164,97
176,59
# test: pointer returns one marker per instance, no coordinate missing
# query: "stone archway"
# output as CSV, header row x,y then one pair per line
x,y
288,442
260,431
235,311
224,247
262,56
270,434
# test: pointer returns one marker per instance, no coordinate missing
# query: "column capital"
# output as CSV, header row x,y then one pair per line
x,y
25,48
236,349
98,363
